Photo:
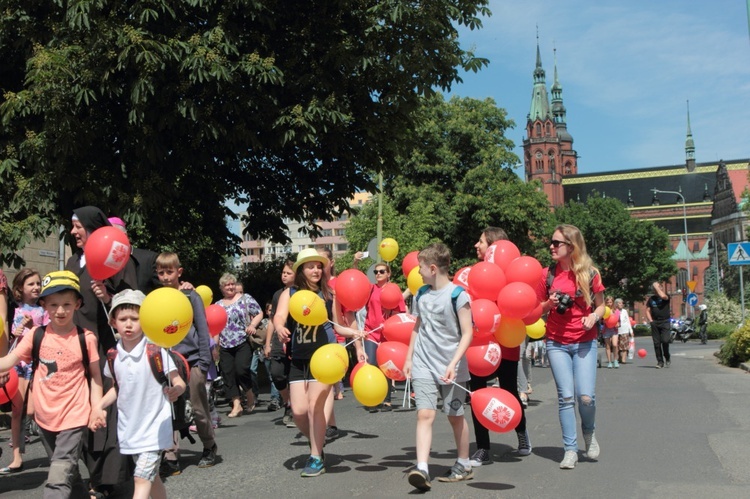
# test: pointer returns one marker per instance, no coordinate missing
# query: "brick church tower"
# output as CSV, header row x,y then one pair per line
x,y
548,153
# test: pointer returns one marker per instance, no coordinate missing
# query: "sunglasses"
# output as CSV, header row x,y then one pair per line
x,y
555,243
381,271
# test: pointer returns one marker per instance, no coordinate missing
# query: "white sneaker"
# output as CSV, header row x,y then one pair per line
x,y
569,461
592,446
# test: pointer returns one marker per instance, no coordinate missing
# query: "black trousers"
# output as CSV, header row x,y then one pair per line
x,y
235,368
507,374
660,335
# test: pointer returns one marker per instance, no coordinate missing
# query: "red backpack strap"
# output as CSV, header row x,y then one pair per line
x,y
111,356
153,352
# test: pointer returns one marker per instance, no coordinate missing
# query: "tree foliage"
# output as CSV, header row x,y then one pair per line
x,y
161,111
457,179
630,253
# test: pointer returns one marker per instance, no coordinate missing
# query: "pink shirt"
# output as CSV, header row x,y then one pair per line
x,y
568,328
61,392
376,315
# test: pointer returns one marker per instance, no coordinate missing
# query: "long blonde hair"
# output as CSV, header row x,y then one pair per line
x,y
580,261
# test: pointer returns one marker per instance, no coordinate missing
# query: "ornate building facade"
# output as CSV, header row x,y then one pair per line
x,y
702,210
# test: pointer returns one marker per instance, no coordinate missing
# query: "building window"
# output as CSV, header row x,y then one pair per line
x,y
342,247
549,130
538,129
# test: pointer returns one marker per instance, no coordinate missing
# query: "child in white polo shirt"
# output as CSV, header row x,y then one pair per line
x,y
144,424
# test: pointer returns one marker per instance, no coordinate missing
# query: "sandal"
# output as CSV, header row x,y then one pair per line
x,y
249,410
339,396
8,470
233,414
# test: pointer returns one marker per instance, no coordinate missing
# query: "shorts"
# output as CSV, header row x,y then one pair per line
x,y
147,464
609,333
280,371
426,391
299,371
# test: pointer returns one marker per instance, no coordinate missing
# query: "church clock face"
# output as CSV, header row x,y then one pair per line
x,y
539,154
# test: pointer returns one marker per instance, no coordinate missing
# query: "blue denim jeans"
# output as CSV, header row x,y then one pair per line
x,y
574,369
257,357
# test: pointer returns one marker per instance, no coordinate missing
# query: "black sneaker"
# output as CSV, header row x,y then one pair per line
x,y
169,468
419,480
274,406
332,433
668,363
208,458
660,365
480,457
386,408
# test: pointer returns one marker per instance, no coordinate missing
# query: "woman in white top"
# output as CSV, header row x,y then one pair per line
x,y
624,330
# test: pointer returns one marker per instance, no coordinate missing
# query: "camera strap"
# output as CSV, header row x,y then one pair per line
x,y
551,277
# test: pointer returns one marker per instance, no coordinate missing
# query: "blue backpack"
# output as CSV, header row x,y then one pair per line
x,y
454,295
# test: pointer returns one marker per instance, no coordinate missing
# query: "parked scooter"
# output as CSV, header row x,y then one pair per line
x,y
682,329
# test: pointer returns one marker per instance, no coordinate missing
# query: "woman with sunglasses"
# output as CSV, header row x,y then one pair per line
x,y
574,300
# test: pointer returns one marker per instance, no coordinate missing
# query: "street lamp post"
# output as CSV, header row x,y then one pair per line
x,y
684,220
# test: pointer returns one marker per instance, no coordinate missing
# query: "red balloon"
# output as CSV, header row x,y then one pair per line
x,y
399,328
353,289
107,251
481,337
11,386
642,353
534,315
612,320
497,409
390,296
524,269
501,253
483,359
354,372
410,261
516,300
486,280
216,317
632,322
485,315
462,278
391,357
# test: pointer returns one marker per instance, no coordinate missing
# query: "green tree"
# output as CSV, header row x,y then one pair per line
x,y
161,111
457,179
630,253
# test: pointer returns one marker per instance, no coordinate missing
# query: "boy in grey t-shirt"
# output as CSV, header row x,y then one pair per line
x,y
435,363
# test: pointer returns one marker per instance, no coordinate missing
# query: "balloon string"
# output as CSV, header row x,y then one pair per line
x,y
355,339
452,381
106,312
169,380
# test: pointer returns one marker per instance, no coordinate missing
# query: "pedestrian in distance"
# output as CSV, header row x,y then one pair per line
x,y
624,329
436,363
610,335
573,297
658,314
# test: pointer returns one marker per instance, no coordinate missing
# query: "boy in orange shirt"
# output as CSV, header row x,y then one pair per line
x,y
62,395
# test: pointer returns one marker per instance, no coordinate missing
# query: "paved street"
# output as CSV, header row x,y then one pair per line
x,y
678,432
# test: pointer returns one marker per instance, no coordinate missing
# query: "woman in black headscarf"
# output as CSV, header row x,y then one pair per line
x,y
107,467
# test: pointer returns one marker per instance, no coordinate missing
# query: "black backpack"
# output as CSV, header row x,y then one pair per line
x,y
182,408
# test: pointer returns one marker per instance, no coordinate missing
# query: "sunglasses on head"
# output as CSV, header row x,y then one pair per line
x,y
557,243
381,271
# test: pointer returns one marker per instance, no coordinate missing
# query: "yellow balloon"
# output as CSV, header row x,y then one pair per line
x,y
307,308
206,294
536,330
166,316
370,386
388,249
329,363
511,332
414,281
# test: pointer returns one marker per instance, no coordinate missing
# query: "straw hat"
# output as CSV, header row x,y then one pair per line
x,y
309,255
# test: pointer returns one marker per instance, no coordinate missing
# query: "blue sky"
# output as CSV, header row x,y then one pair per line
x,y
627,69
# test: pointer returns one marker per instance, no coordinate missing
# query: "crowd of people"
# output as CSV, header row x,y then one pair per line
x,y
79,337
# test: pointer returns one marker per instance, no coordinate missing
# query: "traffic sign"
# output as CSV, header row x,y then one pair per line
x,y
738,253
692,299
691,285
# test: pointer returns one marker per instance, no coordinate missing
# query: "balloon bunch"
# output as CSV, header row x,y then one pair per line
x,y
504,305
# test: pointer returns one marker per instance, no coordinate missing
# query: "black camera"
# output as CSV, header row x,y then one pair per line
x,y
564,302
